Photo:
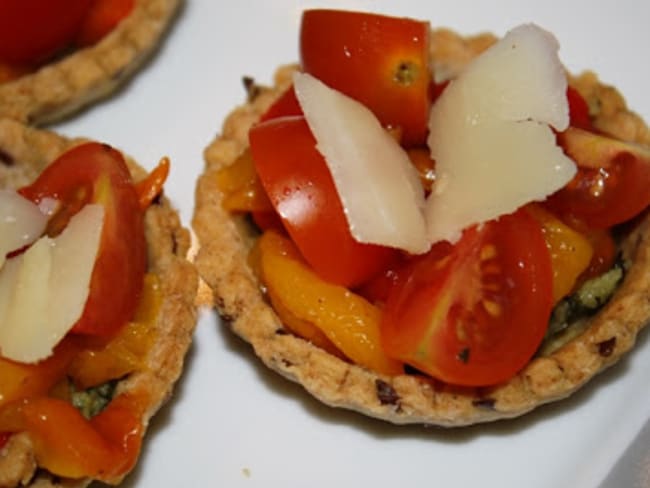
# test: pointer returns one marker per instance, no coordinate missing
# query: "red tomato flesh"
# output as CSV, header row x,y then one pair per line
x,y
300,187
473,313
97,173
33,30
382,62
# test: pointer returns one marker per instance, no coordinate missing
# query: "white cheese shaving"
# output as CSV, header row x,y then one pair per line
x,y
378,186
490,134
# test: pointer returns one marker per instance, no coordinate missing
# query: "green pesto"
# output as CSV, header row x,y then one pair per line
x,y
92,401
570,316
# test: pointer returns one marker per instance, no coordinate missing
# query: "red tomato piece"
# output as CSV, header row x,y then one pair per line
x,y
97,173
473,313
578,110
437,89
102,19
611,186
383,62
300,187
33,30
377,289
287,104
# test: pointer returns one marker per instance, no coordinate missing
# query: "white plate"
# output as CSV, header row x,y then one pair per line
x,y
232,423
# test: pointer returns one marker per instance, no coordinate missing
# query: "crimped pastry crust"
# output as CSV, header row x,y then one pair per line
x,y
225,241
68,84
24,152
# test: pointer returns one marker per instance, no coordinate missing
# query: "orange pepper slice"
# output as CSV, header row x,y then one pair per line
x,y
66,444
20,380
349,321
151,186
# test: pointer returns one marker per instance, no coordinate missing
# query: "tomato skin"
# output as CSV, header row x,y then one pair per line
x,y
102,19
287,104
611,186
473,313
578,110
383,62
97,173
33,30
300,187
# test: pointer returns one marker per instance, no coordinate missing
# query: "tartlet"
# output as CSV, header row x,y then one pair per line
x,y
226,239
24,152
76,79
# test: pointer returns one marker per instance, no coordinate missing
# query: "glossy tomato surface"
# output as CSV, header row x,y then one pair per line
x,y
473,313
97,173
33,30
383,62
612,184
300,187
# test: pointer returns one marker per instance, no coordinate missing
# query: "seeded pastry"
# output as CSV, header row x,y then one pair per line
x,y
125,380
82,76
567,360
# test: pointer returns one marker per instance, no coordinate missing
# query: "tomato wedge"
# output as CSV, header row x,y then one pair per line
x,y
97,173
473,313
612,183
382,62
300,187
33,30
286,104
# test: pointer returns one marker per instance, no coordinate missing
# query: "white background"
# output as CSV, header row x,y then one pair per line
x,y
232,423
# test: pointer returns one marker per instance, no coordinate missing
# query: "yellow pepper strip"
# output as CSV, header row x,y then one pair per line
x,y
349,321
570,251
242,189
300,327
303,328
127,351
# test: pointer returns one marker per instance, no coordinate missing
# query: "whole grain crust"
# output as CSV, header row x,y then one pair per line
x,y
24,152
225,241
66,85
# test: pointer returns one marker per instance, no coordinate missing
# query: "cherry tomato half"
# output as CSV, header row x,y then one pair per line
x,y
97,173
383,62
33,30
473,313
612,183
300,187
